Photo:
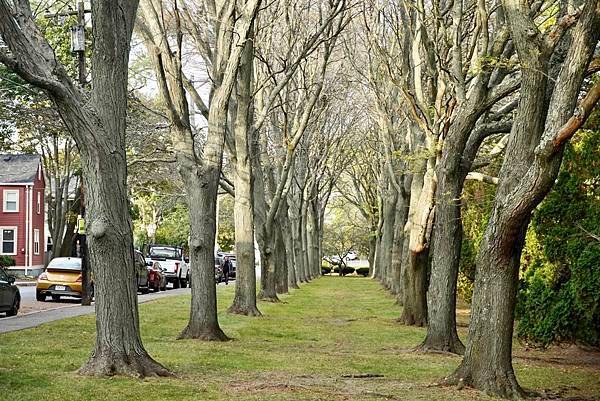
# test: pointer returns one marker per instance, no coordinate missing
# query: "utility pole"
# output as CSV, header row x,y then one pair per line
x,y
78,48
77,37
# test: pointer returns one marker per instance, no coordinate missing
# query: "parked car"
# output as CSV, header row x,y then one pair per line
x,y
62,277
352,255
10,297
174,263
157,280
141,273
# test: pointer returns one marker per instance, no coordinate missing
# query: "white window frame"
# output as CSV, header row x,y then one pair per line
x,y
36,242
4,200
39,202
15,241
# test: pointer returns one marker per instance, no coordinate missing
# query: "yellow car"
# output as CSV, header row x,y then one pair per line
x,y
61,278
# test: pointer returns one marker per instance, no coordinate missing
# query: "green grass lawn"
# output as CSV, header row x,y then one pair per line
x,y
300,350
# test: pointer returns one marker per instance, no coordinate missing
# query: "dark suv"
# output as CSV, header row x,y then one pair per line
x,y
10,297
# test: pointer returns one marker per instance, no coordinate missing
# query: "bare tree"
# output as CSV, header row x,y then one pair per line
x,y
199,166
97,123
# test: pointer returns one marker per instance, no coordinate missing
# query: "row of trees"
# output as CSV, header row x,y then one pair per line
x,y
389,105
265,103
454,85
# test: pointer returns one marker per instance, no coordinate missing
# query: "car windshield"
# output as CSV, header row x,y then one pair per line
x,y
167,253
65,264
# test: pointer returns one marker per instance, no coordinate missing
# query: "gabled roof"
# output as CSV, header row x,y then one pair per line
x,y
18,168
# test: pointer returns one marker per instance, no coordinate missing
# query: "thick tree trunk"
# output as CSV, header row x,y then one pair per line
x,y
531,164
384,261
302,275
488,358
372,249
244,301
287,230
416,251
202,196
281,270
447,238
305,242
398,243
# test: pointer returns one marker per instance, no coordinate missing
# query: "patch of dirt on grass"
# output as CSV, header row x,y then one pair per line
x,y
323,386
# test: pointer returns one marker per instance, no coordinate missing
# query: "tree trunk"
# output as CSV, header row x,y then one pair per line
x,y
244,301
372,249
281,270
416,251
441,296
287,230
305,242
398,243
531,164
202,196
387,238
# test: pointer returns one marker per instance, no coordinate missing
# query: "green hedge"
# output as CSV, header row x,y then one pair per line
x,y
347,270
362,271
6,261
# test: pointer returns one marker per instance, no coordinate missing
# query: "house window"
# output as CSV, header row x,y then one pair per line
x,y
8,240
39,202
36,242
11,201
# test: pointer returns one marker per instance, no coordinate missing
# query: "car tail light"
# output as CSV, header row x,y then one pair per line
x,y
176,267
43,277
79,279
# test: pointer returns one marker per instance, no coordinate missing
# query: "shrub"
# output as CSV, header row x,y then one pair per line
x,y
347,270
6,261
325,268
362,271
559,297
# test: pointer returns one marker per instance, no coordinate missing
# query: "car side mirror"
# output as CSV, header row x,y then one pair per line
x,y
11,280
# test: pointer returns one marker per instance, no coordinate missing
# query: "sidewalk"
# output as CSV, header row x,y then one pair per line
x,y
34,319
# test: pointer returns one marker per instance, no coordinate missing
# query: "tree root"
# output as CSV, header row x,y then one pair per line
x,y
410,320
268,298
104,363
203,334
449,346
500,384
244,310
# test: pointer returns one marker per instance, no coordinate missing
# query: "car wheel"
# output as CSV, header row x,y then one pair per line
x,y
15,307
40,297
56,298
145,290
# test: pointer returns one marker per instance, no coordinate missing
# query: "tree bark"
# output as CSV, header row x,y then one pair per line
x,y
98,125
244,301
530,167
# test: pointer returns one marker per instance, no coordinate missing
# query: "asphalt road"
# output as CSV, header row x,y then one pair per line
x,y
34,313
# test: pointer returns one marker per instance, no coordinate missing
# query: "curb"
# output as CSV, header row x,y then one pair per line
x,y
25,283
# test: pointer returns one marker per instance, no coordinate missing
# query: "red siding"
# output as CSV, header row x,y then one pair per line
x,y
38,219
15,220
19,220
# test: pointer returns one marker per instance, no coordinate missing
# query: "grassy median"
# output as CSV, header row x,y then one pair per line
x,y
334,339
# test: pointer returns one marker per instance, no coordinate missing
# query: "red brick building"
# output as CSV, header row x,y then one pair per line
x,y
22,213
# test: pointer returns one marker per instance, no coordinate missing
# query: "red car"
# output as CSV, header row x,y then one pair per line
x,y
157,281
